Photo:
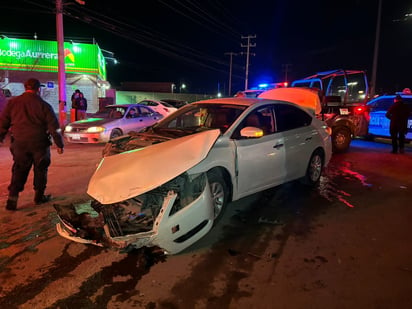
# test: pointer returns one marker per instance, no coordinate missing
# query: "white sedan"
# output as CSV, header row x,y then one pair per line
x,y
111,122
223,150
161,107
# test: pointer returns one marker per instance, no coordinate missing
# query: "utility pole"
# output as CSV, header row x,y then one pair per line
x,y
231,54
285,68
248,53
376,49
61,67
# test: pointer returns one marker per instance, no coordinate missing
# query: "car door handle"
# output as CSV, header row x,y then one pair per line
x,y
277,146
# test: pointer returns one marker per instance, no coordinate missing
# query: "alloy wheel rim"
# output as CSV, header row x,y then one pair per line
x,y
218,198
315,168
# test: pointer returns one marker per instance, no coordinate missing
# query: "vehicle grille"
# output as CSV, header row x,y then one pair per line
x,y
78,130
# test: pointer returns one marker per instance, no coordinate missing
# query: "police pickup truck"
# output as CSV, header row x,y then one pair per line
x,y
343,95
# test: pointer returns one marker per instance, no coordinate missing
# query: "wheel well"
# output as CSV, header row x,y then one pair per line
x,y
344,124
226,177
321,152
117,129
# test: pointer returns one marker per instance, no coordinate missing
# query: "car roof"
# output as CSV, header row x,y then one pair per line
x,y
126,105
245,101
390,96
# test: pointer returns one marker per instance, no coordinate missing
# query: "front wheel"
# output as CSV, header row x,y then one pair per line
x,y
115,133
314,169
341,138
219,192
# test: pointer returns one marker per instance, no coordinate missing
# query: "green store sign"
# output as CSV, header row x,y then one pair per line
x,y
41,56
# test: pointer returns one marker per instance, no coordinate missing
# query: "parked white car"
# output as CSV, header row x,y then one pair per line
x,y
112,121
161,107
222,150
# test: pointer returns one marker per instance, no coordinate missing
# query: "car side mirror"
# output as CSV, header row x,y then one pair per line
x,y
251,132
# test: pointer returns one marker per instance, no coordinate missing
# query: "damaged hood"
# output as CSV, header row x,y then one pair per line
x,y
95,121
128,174
306,98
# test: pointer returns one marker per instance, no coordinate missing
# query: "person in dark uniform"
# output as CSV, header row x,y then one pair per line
x,y
398,114
32,123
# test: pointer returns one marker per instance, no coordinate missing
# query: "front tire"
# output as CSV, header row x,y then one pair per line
x,y
219,190
115,133
314,169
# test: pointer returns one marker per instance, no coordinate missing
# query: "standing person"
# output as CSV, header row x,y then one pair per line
x,y
398,114
81,112
76,103
32,122
3,101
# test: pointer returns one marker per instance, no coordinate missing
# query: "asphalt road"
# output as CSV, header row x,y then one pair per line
x,y
346,244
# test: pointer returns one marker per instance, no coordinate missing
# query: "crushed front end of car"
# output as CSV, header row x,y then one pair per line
x,y
141,199
171,216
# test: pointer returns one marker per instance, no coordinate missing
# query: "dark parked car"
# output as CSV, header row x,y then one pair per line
x,y
176,103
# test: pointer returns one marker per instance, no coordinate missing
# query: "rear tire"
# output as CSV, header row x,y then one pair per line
x,y
341,138
314,169
219,190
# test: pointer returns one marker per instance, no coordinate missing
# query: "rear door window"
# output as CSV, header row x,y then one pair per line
x,y
381,105
289,117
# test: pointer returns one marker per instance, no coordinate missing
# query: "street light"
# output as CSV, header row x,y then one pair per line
x,y
182,87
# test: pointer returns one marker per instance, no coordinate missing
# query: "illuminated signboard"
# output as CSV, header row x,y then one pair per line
x,y
41,56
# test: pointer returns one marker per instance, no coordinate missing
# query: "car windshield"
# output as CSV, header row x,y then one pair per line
x,y
197,117
112,112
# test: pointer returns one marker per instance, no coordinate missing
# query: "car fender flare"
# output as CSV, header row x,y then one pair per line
x,y
343,122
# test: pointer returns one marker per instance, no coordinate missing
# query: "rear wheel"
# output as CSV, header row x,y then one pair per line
x,y
219,192
341,138
314,169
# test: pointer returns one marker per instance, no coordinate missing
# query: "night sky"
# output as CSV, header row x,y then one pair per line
x,y
189,41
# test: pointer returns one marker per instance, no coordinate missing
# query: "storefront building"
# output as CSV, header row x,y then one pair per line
x,y
85,69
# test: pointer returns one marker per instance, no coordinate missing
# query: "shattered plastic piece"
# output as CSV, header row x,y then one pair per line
x,y
254,255
268,221
86,208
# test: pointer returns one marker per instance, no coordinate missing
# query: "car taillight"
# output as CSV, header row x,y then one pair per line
x,y
360,110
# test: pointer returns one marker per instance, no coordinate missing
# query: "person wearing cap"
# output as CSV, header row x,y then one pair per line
x,y
398,114
32,124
